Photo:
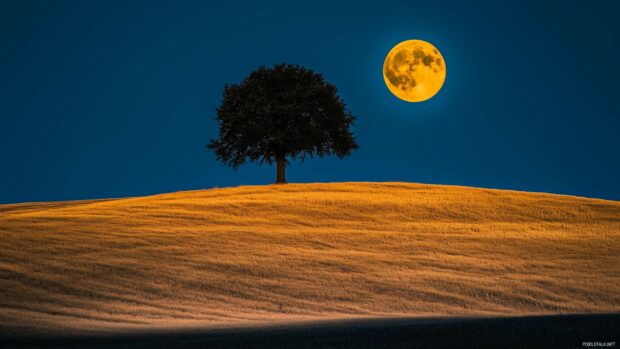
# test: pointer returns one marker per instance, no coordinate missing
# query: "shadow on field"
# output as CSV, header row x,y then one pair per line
x,y
558,331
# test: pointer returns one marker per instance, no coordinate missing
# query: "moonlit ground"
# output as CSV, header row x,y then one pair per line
x,y
301,252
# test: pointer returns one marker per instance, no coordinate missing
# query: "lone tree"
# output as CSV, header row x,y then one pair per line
x,y
279,113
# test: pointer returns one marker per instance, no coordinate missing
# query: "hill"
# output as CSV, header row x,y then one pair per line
x,y
298,252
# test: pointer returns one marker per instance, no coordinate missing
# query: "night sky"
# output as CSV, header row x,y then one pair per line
x,y
116,98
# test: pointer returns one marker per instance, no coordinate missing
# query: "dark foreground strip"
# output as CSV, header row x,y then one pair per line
x,y
558,331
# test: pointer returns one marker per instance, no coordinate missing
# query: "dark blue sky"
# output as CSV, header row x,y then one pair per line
x,y
117,98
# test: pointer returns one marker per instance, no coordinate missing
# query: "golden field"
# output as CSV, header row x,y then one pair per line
x,y
262,254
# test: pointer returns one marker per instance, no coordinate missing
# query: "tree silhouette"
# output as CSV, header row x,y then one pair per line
x,y
279,113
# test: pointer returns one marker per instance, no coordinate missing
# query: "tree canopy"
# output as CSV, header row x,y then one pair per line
x,y
279,113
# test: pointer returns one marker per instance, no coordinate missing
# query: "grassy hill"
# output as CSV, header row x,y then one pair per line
x,y
259,254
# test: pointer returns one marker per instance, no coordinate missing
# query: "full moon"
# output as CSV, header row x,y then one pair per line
x,y
414,70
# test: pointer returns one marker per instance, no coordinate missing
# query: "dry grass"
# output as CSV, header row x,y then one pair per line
x,y
299,252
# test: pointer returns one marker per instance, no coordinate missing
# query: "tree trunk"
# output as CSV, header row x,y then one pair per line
x,y
281,178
